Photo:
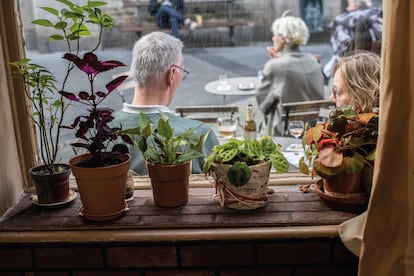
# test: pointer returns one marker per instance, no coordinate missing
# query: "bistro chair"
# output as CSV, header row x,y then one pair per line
x,y
205,113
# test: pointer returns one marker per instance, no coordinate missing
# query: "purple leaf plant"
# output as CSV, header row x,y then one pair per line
x,y
93,130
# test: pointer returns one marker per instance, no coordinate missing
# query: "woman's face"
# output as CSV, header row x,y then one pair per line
x,y
340,95
279,42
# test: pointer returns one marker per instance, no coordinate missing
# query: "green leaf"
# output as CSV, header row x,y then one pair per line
x,y
61,25
239,174
50,10
56,37
303,167
164,128
280,163
43,22
92,4
66,2
354,164
188,156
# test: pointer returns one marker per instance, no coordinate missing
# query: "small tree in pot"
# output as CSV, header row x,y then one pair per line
x,y
46,107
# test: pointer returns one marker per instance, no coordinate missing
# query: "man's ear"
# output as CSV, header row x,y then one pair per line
x,y
171,74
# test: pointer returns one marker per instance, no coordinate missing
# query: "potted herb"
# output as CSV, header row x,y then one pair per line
x,y
168,158
101,174
342,152
241,171
45,106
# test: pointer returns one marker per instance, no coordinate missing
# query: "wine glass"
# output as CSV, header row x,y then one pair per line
x,y
296,129
227,125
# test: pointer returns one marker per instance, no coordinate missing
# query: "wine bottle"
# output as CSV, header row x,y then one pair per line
x,y
250,131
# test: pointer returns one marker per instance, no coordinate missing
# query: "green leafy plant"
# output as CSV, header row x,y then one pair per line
x,y
160,146
46,107
344,144
243,153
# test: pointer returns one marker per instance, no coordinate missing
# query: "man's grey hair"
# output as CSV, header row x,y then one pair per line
x,y
153,55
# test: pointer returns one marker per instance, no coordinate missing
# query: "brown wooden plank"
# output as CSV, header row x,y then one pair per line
x,y
205,25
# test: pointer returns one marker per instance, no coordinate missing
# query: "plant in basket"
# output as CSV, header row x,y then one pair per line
x,y
101,174
168,157
46,107
241,170
342,152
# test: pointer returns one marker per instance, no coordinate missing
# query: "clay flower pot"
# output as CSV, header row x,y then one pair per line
x,y
51,188
102,189
170,183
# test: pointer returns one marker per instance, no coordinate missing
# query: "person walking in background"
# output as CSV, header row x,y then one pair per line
x,y
158,69
169,14
356,81
290,75
359,27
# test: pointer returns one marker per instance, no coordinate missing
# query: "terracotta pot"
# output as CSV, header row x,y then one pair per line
x,y
170,184
51,188
343,192
344,184
102,190
252,195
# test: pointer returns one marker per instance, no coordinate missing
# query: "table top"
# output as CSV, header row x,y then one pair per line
x,y
239,86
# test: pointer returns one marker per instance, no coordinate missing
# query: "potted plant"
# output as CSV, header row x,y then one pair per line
x,y
241,171
168,158
46,107
342,152
101,174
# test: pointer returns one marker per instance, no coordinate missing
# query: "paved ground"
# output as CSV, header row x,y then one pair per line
x,y
204,64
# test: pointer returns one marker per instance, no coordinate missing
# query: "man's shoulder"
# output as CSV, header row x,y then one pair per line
x,y
185,122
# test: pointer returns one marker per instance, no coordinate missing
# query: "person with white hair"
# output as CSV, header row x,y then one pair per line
x,y
290,75
158,69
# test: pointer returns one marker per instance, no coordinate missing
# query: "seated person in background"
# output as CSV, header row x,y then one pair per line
x,y
290,75
359,27
356,81
169,14
158,68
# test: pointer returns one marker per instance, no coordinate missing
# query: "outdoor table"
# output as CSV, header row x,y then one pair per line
x,y
240,86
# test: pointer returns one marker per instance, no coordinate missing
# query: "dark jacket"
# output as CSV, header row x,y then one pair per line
x,y
154,6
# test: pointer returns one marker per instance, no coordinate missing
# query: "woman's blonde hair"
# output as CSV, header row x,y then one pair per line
x,y
292,28
361,75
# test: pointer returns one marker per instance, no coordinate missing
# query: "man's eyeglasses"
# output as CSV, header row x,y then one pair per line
x,y
185,72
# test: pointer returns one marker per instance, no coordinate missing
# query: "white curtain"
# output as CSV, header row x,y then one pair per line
x,y
388,237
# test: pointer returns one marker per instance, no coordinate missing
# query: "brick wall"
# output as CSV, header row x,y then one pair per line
x,y
312,256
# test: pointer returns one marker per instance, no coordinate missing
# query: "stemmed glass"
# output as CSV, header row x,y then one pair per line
x,y
296,129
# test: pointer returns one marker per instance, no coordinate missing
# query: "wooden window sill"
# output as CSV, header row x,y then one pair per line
x,y
289,213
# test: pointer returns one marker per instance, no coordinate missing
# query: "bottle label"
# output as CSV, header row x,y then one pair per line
x,y
251,135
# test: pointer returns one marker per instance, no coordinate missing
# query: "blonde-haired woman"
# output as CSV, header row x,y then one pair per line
x,y
290,75
357,81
